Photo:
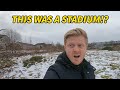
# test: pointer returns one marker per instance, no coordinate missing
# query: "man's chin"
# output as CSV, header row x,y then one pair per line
x,y
77,61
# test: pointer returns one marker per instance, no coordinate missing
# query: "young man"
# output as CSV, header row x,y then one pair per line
x,y
71,64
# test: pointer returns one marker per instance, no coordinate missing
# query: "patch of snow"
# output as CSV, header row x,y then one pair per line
x,y
102,60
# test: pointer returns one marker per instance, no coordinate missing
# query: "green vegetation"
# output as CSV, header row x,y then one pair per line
x,y
114,66
108,48
112,47
4,63
100,70
32,61
106,76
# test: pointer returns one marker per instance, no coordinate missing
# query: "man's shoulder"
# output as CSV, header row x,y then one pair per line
x,y
57,67
54,66
89,65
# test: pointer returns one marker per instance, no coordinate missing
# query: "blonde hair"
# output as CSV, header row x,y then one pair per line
x,y
76,32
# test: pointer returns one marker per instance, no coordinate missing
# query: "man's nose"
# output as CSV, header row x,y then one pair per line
x,y
76,48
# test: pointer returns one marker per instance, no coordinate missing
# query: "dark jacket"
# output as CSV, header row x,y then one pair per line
x,y
65,69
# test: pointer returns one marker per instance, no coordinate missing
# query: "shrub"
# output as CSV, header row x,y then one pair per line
x,y
107,48
4,63
106,76
32,61
114,66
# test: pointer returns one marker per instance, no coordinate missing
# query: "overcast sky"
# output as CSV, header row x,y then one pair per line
x,y
55,32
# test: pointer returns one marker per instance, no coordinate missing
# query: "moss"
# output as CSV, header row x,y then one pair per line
x,y
114,66
100,70
22,78
106,76
32,61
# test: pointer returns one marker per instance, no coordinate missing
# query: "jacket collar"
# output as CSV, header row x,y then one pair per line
x,y
63,59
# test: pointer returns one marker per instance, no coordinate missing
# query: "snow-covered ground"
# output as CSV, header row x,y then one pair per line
x,y
107,64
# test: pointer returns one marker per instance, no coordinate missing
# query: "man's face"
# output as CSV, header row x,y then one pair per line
x,y
76,48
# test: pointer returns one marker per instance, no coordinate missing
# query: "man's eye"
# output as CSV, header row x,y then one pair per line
x,y
80,45
71,45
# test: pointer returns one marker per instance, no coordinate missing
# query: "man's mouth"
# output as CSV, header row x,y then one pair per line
x,y
76,56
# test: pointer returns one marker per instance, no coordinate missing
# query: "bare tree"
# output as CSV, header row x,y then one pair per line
x,y
14,37
59,47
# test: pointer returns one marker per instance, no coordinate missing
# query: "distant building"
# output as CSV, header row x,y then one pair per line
x,y
40,45
26,46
